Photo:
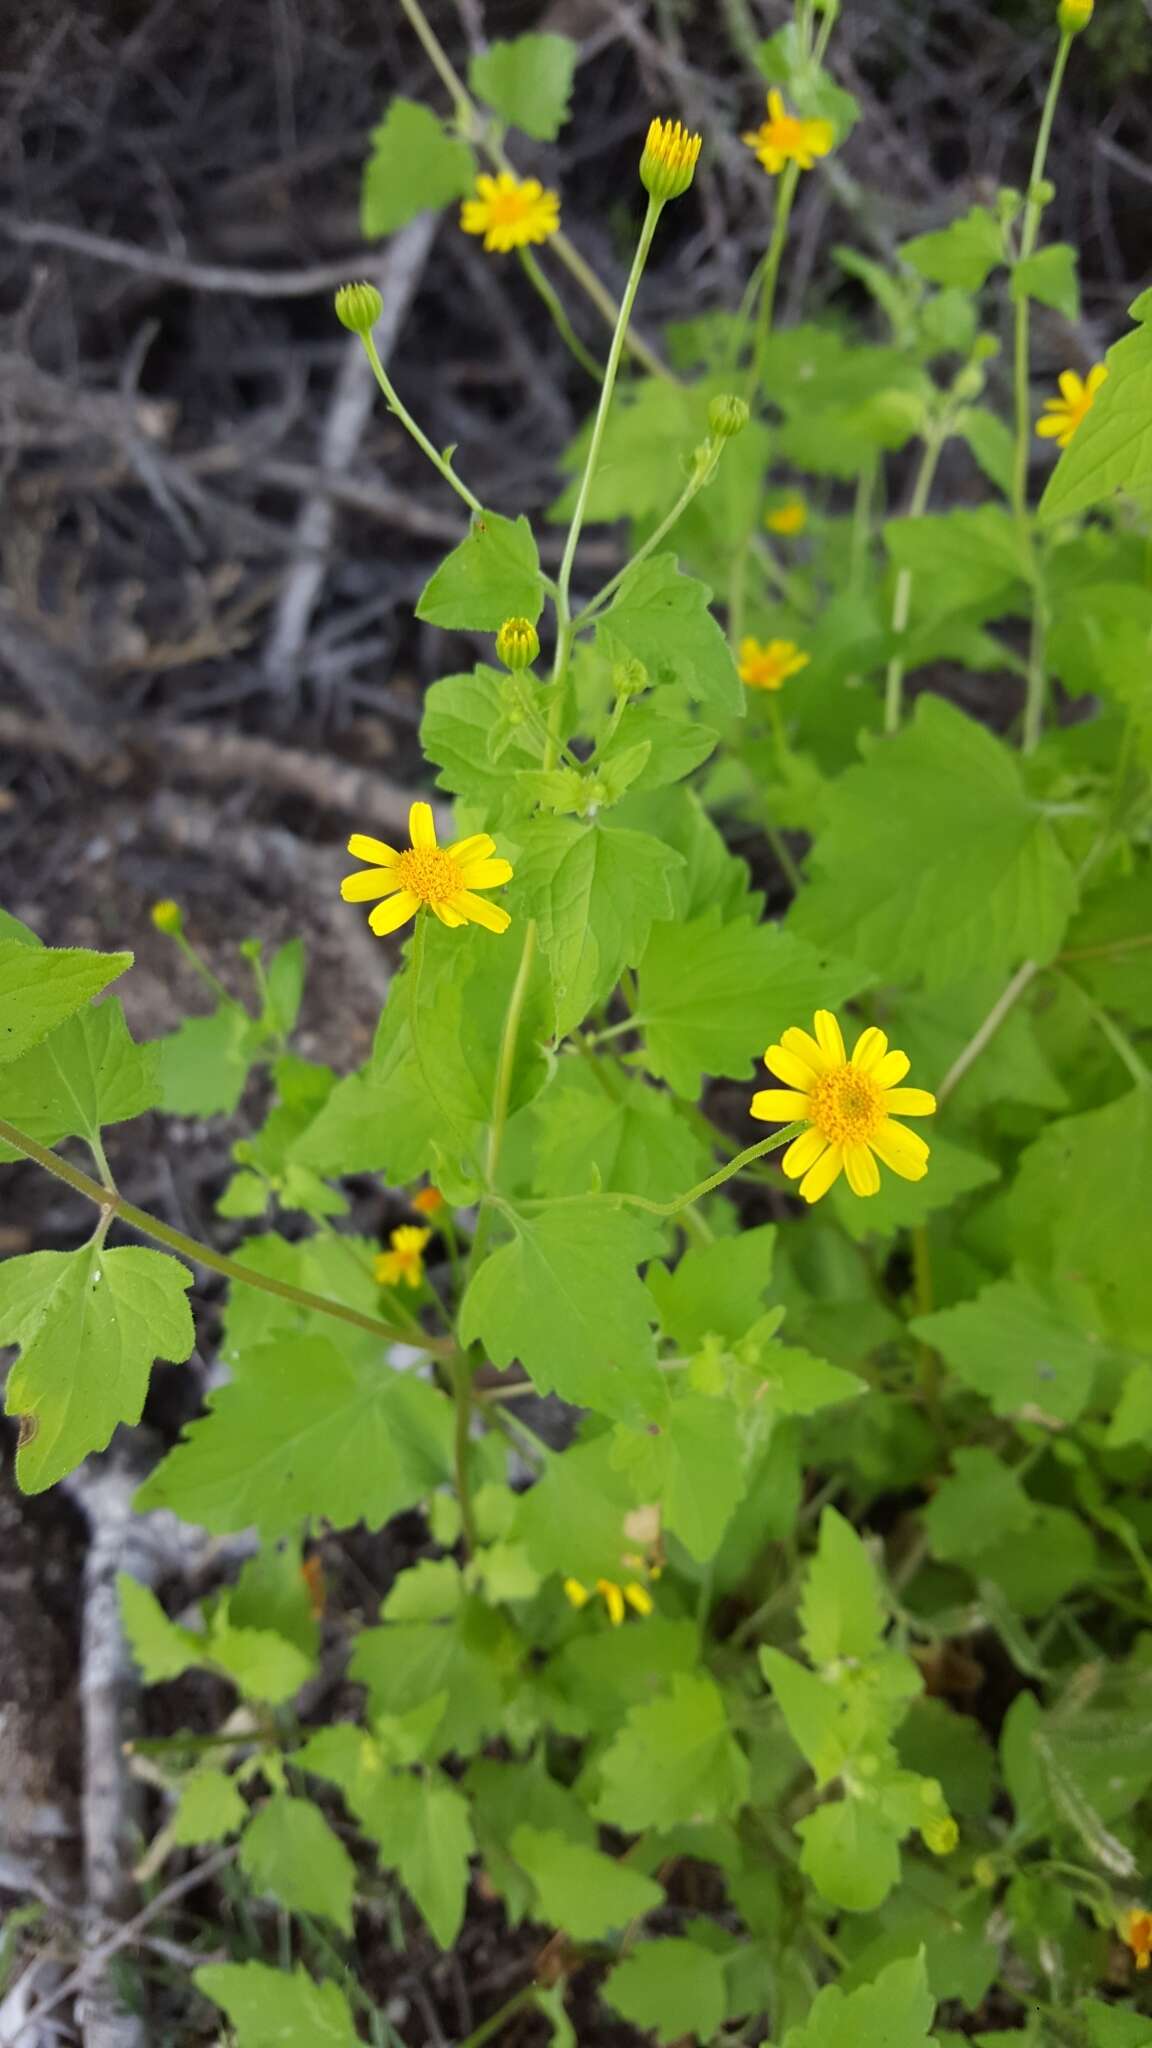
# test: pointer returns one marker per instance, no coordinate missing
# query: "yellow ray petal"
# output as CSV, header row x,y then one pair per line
x,y
890,1069
452,918
910,1102
490,915
1096,376
830,1038
806,1048
639,1597
422,826
901,1149
367,884
869,1049
778,1105
819,1178
361,847
477,847
485,874
613,1601
389,916
861,1169
577,1594
802,1153
787,1067
1071,387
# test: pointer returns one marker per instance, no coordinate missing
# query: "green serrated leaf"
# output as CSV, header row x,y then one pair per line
x,y
290,1852
594,891
934,864
660,617
414,165
981,1504
493,575
628,1140
674,1760
204,1065
1017,1349
303,1431
42,986
713,995
528,81
211,1806
89,1324
277,2008
852,1856
895,2012
587,1894
87,1073
564,1298
670,1988
962,254
715,1289
1051,276
841,1609
1111,449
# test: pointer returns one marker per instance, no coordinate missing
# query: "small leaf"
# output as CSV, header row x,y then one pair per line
x,y
1050,275
674,1989
674,1760
1112,447
962,254
87,1073
89,1324
894,2012
841,1608
493,575
415,165
290,1852
277,2008
594,891
588,1895
211,1806
528,82
853,1858
660,617
41,986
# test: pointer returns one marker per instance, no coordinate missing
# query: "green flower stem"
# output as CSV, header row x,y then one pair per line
x,y
1121,1044
473,125
190,1248
396,405
986,1032
491,2028
502,1092
205,973
611,370
564,328
1033,213
786,193
679,1202
596,604
934,440
461,1371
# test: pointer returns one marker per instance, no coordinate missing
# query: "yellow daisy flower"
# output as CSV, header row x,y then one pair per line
x,y
1062,416
443,877
510,212
790,516
637,1596
850,1104
785,138
1136,1929
767,665
405,1262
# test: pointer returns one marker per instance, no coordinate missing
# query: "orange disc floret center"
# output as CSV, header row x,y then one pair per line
x,y
430,873
507,209
846,1106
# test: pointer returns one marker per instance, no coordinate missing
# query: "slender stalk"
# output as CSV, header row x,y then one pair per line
x,y
1121,1044
564,328
786,193
1021,353
1005,1002
596,604
611,370
396,405
205,973
507,1060
490,2028
902,598
472,124
461,1370
704,1187
115,1208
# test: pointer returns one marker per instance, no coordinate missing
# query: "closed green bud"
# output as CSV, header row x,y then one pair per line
x,y
358,307
168,918
940,1836
668,160
629,678
727,415
517,643
1073,15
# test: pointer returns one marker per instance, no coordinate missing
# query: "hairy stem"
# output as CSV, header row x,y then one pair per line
x,y
115,1208
716,1180
396,405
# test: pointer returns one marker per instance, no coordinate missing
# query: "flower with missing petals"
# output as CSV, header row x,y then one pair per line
x,y
850,1106
786,138
790,516
443,878
767,665
404,1263
511,212
614,1597
1062,416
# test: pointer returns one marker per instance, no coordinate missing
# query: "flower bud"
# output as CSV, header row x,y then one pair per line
x,y
668,162
727,416
629,678
1073,15
517,643
940,1836
358,307
168,918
